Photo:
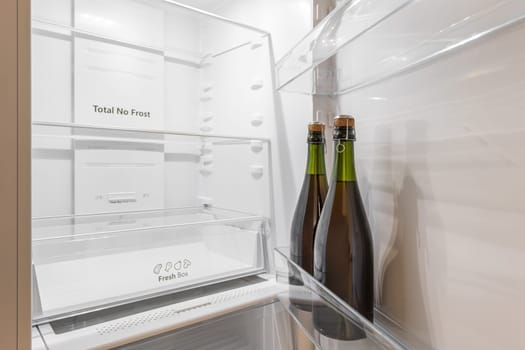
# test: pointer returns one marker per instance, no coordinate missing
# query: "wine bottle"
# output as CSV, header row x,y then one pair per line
x,y
304,224
343,251
311,199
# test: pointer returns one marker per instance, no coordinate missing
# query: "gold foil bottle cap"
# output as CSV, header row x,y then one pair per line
x,y
316,126
344,121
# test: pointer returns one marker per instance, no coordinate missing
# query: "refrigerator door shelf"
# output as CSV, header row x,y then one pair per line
x,y
306,294
360,26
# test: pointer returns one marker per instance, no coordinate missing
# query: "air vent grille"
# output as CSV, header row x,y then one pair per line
x,y
156,315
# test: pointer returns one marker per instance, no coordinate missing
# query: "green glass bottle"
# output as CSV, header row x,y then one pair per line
x,y
343,250
311,200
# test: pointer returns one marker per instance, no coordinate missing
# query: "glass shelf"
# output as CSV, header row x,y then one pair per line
x,y
306,296
77,131
80,227
91,23
94,261
381,32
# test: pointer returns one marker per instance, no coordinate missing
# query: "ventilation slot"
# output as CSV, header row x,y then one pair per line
x,y
139,320
143,319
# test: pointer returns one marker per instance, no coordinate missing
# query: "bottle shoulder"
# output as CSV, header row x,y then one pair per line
x,y
343,209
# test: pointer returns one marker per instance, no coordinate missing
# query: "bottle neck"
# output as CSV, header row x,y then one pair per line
x,y
344,167
315,164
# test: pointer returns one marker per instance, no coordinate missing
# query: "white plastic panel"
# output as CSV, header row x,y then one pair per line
x,y
140,22
118,86
57,11
231,99
181,96
261,328
249,170
52,78
37,343
215,320
117,177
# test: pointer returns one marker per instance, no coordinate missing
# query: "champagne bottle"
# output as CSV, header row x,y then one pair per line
x,y
304,224
311,199
343,251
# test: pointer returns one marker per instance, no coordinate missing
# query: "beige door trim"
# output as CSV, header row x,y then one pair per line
x,y
24,175
15,163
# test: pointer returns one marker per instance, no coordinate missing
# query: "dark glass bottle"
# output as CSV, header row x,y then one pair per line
x,y
311,200
343,251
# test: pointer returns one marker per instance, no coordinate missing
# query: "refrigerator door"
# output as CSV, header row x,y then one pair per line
x,y
437,91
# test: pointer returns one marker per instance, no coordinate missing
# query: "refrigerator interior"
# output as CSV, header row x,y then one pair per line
x,y
151,165
153,220
182,171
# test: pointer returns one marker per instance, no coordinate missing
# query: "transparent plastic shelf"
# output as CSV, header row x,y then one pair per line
x,y
95,132
311,305
80,227
87,262
382,35
90,24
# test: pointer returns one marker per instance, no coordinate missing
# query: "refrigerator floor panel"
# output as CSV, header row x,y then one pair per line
x,y
77,322
265,327
108,334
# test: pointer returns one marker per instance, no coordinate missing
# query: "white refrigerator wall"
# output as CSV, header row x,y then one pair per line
x,y
441,165
287,22
191,75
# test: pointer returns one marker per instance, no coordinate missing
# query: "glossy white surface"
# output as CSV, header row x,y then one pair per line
x,y
108,334
287,22
441,168
36,341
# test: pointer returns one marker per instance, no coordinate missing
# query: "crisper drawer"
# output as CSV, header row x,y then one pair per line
x,y
94,261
